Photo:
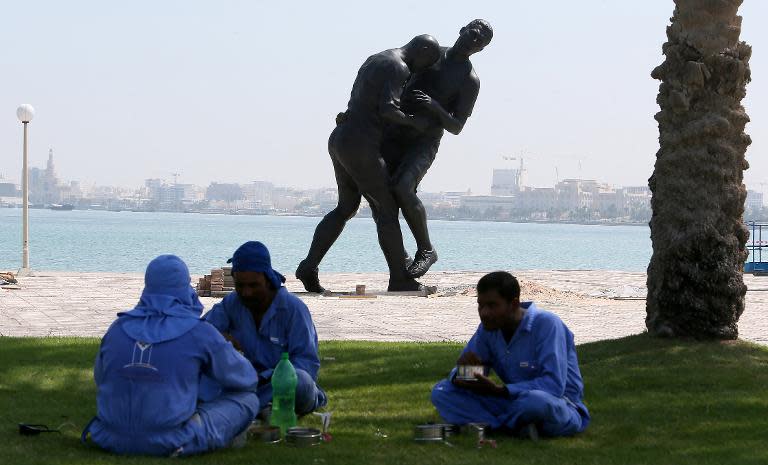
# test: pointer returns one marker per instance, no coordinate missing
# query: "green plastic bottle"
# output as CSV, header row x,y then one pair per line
x,y
284,395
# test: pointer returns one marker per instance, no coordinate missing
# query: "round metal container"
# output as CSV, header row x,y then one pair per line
x,y
303,437
475,429
429,433
468,372
265,433
449,429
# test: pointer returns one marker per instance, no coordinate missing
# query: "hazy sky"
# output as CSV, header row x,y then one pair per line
x,y
235,91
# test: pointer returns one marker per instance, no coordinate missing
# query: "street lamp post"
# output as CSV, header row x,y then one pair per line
x,y
25,113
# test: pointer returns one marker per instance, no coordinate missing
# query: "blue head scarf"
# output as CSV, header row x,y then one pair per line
x,y
168,307
254,256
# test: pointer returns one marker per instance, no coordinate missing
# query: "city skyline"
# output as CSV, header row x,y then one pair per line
x,y
510,199
224,89
176,178
504,182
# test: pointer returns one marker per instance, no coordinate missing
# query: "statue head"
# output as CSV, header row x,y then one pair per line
x,y
421,52
474,36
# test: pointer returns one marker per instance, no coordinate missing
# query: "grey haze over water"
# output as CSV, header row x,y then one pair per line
x,y
88,241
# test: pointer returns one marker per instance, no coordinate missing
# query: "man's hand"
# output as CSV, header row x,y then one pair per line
x,y
235,342
483,386
423,99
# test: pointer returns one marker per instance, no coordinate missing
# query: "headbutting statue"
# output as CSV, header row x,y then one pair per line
x,y
382,147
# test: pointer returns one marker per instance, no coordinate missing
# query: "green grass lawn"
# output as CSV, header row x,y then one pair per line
x,y
652,402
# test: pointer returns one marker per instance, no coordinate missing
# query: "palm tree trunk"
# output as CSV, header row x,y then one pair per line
x,y
695,285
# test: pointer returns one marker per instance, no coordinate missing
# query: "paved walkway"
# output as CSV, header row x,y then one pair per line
x,y
596,305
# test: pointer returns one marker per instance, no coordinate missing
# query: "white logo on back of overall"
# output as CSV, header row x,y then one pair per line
x,y
141,356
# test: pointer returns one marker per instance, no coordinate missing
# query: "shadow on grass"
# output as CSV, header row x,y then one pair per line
x,y
652,401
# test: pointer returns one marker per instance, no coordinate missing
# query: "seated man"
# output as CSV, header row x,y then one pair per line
x,y
264,320
533,353
148,370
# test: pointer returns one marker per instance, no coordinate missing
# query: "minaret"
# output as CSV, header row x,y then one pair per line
x,y
51,192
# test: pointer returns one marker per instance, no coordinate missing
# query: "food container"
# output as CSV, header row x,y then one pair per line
x,y
303,437
475,429
449,430
429,433
266,433
468,372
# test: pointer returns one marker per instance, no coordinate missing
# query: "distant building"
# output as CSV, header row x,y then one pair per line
x,y
573,194
258,194
635,198
44,186
505,182
35,183
185,193
227,192
754,201
508,181
171,197
9,189
453,198
155,191
327,199
430,198
51,190
71,193
537,199
286,199
483,203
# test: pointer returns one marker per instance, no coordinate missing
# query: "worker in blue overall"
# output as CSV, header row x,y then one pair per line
x,y
148,371
532,352
263,320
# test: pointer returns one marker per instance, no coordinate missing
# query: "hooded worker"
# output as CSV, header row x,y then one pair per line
x,y
264,320
148,371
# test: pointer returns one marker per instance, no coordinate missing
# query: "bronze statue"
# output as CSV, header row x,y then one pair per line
x,y
445,95
355,149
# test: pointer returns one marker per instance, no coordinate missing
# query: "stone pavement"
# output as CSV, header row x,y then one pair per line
x,y
596,305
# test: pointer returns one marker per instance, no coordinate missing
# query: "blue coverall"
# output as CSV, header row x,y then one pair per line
x,y
286,327
540,370
149,368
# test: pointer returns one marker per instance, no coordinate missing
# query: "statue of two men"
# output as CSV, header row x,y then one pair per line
x,y
402,101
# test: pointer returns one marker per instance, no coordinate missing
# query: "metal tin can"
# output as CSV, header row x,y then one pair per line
x,y
303,437
468,372
449,430
475,428
429,433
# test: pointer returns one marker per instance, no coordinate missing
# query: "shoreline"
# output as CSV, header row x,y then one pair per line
x,y
309,215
